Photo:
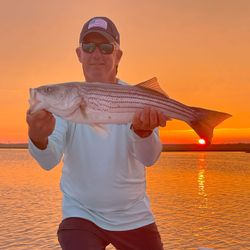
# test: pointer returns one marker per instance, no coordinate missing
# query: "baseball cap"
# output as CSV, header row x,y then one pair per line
x,y
103,26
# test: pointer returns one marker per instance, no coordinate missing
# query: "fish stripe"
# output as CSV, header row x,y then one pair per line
x,y
163,104
109,106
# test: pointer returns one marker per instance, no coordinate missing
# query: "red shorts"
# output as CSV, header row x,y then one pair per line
x,y
80,234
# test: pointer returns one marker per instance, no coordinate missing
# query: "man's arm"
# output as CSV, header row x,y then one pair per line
x,y
146,143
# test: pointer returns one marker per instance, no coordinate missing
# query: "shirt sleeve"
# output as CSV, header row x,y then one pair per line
x,y
51,156
146,150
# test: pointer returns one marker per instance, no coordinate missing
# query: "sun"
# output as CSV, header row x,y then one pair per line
x,y
202,141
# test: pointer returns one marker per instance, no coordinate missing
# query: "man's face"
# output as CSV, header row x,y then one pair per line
x,y
98,67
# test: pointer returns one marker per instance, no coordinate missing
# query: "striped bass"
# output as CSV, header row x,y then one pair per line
x,y
102,103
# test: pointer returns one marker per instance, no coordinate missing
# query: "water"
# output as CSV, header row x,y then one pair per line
x,y
200,199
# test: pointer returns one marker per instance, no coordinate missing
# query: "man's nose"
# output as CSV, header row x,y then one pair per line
x,y
97,52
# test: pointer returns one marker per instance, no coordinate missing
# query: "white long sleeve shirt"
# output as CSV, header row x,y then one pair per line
x,y
103,176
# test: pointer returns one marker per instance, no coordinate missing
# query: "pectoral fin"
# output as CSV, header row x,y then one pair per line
x,y
82,110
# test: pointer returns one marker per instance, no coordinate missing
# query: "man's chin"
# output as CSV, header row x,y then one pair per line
x,y
95,75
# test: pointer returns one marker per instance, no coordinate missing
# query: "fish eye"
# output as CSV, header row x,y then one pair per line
x,y
49,89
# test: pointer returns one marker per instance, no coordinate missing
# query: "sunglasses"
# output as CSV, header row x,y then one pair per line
x,y
105,48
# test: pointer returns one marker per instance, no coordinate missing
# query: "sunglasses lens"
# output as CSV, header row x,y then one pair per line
x,y
106,48
89,47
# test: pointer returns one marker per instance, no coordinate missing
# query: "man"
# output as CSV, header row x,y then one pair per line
x,y
103,178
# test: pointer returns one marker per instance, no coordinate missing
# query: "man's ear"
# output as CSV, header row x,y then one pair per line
x,y
79,54
118,55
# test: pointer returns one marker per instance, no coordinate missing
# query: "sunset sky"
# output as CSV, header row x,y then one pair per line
x,y
198,49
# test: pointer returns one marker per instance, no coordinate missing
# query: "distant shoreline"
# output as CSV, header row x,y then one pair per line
x,y
238,147
14,145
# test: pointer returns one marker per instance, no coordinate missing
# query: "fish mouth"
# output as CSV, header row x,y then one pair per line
x,y
35,104
32,98
32,93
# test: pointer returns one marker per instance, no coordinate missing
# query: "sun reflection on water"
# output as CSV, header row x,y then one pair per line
x,y
201,179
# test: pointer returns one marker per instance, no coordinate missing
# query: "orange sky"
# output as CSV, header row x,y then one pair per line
x,y
199,50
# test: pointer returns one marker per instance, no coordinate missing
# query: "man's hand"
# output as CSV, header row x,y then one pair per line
x,y
146,120
41,125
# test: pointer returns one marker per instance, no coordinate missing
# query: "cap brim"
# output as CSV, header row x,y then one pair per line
x,y
101,32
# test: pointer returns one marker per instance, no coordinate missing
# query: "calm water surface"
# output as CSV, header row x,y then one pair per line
x,y
200,199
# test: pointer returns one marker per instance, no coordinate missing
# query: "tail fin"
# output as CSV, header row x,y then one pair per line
x,y
206,121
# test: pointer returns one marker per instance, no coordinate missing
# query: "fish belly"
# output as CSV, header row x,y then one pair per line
x,y
96,117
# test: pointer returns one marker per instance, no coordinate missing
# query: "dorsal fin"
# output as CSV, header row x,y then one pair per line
x,y
152,84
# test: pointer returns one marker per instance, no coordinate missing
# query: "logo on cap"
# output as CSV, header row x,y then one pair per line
x,y
99,23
